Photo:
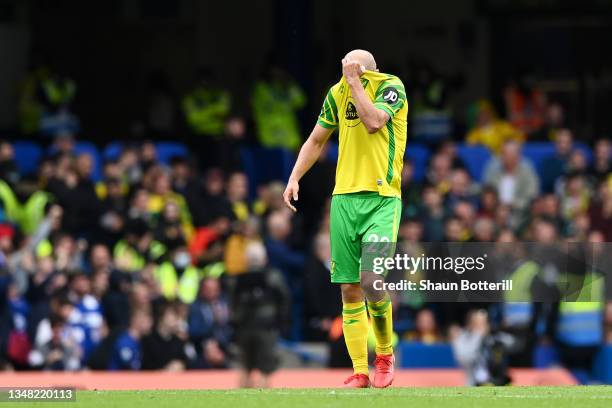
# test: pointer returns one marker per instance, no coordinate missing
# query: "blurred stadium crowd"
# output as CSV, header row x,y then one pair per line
x,y
169,264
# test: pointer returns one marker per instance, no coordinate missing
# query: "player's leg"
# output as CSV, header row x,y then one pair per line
x,y
345,254
380,237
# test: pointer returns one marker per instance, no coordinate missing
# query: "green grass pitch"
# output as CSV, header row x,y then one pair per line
x,y
490,397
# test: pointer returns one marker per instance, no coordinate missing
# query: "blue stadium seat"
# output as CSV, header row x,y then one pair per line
x,y
537,152
168,150
112,151
418,154
545,356
602,370
27,156
475,159
420,355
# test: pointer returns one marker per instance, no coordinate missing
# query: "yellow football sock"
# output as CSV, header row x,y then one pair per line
x,y
382,322
355,328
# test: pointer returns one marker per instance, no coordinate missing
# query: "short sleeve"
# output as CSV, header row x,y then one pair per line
x,y
328,118
390,96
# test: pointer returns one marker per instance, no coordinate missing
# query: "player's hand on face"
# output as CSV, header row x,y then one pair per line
x,y
291,192
352,69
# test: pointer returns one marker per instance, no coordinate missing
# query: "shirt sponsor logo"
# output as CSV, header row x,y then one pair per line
x,y
390,95
351,112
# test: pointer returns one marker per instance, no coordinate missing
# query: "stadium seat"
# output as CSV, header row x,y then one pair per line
x,y
27,156
545,356
602,370
420,355
537,152
475,159
112,151
167,150
418,154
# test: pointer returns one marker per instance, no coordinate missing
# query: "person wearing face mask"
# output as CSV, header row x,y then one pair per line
x,y
177,277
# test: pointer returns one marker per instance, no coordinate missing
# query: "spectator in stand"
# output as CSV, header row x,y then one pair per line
x,y
163,349
411,191
230,147
185,183
139,207
489,202
517,183
129,166
133,252
281,256
206,108
575,197
455,230
287,260
209,327
440,172
466,213
87,319
432,214
126,352
554,121
600,211
237,194
484,230
8,166
601,168
160,193
60,353
76,194
490,131
276,99
113,208
425,328
525,104
208,242
449,149
235,246
556,165
461,190
147,155
169,231
178,278
114,299
214,200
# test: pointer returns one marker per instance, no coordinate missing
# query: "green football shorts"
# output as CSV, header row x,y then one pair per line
x,y
359,221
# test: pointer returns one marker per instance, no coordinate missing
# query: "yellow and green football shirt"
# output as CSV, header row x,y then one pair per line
x,y
368,162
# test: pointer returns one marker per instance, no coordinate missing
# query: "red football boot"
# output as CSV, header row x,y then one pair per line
x,y
357,381
383,376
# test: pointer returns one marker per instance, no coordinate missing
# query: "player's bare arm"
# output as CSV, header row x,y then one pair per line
x,y
373,118
309,154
